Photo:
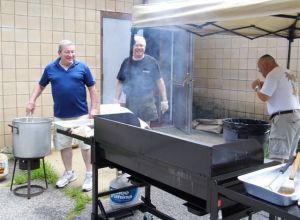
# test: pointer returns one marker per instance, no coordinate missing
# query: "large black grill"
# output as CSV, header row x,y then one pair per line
x,y
182,164
179,166
201,173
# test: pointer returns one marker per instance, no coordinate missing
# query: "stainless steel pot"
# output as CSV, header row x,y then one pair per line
x,y
31,137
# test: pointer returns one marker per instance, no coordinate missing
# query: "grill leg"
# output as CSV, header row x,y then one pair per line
x,y
45,175
12,180
103,213
94,214
29,178
147,198
214,209
250,216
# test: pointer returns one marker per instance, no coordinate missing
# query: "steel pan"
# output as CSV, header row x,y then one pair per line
x,y
257,184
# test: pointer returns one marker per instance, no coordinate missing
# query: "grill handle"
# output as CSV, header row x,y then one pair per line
x,y
14,127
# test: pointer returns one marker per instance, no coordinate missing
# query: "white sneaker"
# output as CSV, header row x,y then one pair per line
x,y
66,178
88,183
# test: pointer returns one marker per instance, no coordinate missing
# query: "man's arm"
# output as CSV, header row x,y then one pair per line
x,y
119,88
162,89
263,97
163,95
256,86
35,94
94,101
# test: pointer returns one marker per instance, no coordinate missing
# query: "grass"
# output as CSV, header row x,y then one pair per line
x,y
75,193
52,177
80,199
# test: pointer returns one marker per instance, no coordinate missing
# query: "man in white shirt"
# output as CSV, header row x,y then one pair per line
x,y
280,91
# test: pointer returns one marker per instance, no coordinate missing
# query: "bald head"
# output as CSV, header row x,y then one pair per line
x,y
266,64
267,58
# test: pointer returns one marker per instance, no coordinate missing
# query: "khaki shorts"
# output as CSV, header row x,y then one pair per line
x,y
284,135
61,141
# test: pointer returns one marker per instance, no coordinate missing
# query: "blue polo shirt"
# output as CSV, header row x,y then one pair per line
x,y
68,88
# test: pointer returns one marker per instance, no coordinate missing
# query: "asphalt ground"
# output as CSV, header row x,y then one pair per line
x,y
169,205
53,204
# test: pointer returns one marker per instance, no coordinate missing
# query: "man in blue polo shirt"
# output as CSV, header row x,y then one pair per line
x,y
68,78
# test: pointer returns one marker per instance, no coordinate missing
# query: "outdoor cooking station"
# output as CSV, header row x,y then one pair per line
x,y
205,175
202,174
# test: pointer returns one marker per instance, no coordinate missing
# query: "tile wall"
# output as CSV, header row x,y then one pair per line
x,y
31,29
30,33
224,68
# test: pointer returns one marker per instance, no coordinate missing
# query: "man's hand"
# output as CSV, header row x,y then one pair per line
x,y
116,101
291,76
30,108
257,84
93,113
164,106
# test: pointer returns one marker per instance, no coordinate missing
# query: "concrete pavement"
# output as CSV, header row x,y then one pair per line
x,y
105,174
54,204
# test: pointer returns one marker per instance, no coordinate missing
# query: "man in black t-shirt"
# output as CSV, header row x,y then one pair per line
x,y
137,78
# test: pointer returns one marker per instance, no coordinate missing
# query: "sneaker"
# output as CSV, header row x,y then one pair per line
x,y
69,176
88,183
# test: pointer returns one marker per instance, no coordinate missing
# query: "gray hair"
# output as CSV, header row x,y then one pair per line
x,y
64,43
140,39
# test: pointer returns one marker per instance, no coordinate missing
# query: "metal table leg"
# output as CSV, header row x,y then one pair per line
x,y
29,178
12,180
214,201
45,175
94,214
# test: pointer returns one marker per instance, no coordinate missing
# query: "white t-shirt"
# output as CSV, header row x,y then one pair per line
x,y
280,90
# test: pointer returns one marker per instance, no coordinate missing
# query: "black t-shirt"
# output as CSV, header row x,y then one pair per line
x,y
139,77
